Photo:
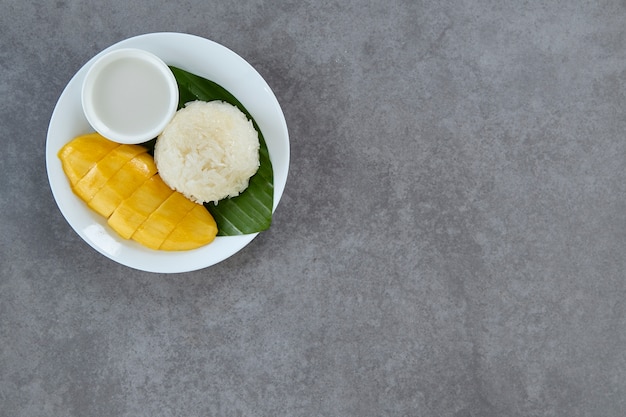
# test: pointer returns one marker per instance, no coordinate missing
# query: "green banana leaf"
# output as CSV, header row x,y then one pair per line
x,y
250,211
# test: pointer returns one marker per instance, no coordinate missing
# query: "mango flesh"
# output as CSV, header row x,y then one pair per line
x,y
81,154
133,211
196,223
104,169
121,183
162,221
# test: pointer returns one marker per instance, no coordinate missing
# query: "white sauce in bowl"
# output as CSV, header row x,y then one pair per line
x,y
129,96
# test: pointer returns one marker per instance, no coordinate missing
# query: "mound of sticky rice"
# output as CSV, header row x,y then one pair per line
x,y
208,151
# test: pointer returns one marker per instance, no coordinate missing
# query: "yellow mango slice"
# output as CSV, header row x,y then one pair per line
x,y
163,220
123,183
87,187
196,229
133,211
82,153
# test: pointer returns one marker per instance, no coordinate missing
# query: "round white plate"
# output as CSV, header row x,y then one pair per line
x,y
201,57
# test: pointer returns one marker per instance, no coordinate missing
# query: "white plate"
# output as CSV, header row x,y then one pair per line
x,y
199,56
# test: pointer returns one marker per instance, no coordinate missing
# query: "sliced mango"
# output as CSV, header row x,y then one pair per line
x,y
81,154
192,231
104,169
163,220
121,183
133,211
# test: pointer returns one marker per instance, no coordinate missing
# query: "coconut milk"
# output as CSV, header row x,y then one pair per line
x,y
131,96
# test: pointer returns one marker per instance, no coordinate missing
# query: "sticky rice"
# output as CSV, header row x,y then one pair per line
x,y
208,151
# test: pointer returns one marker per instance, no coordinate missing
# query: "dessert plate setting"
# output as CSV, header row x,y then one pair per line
x,y
201,57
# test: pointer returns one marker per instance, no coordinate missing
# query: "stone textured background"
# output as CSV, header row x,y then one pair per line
x,y
451,241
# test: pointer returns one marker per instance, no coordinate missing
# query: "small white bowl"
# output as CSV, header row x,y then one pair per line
x,y
129,95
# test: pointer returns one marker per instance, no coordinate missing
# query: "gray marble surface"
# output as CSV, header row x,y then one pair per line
x,y
451,241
